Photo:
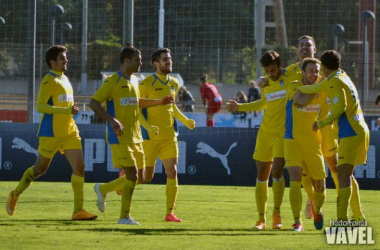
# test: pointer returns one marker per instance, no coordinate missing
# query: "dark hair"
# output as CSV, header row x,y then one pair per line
x,y
331,59
53,52
306,37
307,61
128,52
156,55
377,100
270,57
203,78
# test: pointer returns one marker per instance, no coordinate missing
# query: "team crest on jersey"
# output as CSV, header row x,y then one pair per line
x,y
128,101
328,101
281,83
66,98
172,88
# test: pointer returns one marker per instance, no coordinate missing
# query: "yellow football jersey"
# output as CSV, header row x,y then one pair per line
x,y
121,99
155,87
343,98
56,90
300,120
273,100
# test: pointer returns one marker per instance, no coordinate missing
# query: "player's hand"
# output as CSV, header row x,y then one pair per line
x,y
315,127
116,127
167,100
232,105
262,82
154,131
190,124
378,121
74,109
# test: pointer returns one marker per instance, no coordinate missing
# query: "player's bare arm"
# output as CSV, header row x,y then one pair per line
x,y
301,99
116,126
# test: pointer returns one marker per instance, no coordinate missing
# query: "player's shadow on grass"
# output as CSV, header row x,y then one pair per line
x,y
46,222
195,232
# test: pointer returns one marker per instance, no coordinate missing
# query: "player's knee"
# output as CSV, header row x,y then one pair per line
x,y
132,176
319,189
78,169
277,173
171,172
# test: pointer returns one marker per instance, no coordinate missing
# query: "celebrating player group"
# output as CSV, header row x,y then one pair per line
x,y
309,106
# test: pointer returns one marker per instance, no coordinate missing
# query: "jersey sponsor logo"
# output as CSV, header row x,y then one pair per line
x,y
66,98
310,108
335,100
281,83
276,95
128,101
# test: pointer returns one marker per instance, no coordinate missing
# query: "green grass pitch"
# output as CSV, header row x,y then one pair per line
x,y
214,217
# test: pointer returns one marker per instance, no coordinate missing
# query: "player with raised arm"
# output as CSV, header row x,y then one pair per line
x,y
165,145
122,113
302,146
57,131
269,150
352,130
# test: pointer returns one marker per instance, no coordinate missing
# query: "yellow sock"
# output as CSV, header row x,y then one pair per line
x,y
261,199
308,186
171,194
77,183
25,181
355,199
278,188
342,203
126,197
295,197
336,181
319,199
113,185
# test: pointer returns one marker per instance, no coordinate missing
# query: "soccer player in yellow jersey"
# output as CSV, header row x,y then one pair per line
x,y
269,150
302,146
352,129
165,145
123,134
307,49
57,131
